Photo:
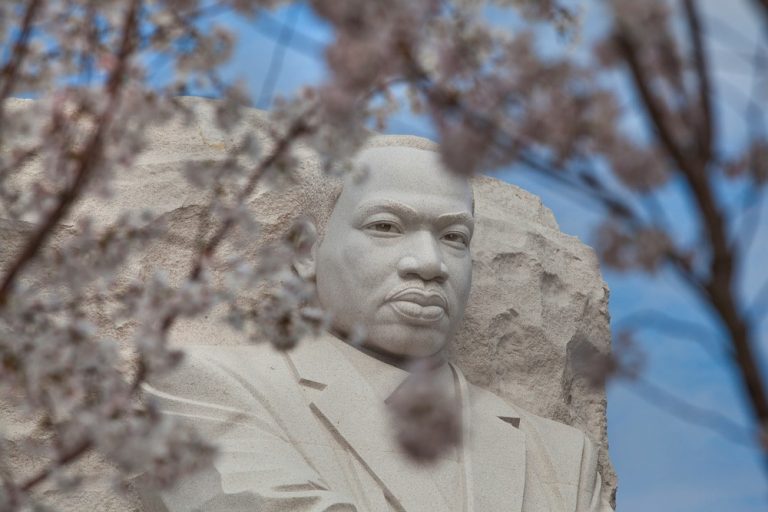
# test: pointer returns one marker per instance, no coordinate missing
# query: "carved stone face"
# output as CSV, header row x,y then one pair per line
x,y
395,257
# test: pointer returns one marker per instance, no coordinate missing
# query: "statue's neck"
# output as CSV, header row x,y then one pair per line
x,y
386,373
405,363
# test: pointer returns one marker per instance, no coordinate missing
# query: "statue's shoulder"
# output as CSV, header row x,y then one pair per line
x,y
562,442
257,357
554,431
231,375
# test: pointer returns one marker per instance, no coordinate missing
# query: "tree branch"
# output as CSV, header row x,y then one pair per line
x,y
71,456
658,320
297,129
87,159
719,286
705,84
655,110
690,413
10,71
762,5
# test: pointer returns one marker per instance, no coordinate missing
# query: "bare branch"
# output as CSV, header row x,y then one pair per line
x,y
276,59
702,70
692,414
754,197
678,327
299,128
656,112
63,460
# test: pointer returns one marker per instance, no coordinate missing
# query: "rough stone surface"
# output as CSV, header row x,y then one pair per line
x,y
537,296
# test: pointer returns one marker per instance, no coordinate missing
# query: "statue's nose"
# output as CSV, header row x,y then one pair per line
x,y
424,260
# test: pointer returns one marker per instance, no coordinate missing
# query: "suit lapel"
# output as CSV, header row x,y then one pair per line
x,y
494,456
349,408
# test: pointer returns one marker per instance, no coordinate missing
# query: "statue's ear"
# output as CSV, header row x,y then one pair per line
x,y
304,239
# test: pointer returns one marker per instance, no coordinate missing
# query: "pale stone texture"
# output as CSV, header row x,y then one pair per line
x,y
537,295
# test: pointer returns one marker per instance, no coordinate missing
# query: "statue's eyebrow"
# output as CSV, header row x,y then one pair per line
x,y
406,212
458,218
385,205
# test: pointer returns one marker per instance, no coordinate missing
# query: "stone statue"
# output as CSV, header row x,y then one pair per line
x,y
308,429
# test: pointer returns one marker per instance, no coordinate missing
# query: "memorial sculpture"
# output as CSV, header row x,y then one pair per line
x,y
537,302
309,429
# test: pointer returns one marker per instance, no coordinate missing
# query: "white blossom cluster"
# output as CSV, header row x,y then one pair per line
x,y
493,97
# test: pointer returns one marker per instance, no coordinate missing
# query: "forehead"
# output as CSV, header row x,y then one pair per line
x,y
413,176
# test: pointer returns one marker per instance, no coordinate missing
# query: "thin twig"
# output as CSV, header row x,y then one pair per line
x,y
300,42
754,196
277,58
299,128
68,458
737,35
12,167
19,160
10,72
657,320
691,414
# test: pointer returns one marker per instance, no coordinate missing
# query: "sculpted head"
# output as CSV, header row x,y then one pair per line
x,y
395,255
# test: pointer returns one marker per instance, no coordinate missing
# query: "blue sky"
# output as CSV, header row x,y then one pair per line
x,y
664,463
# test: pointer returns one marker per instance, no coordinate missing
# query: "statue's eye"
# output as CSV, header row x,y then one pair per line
x,y
383,227
456,239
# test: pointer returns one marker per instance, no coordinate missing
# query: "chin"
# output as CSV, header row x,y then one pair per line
x,y
406,342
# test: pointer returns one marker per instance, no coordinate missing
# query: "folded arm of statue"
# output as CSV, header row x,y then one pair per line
x,y
258,467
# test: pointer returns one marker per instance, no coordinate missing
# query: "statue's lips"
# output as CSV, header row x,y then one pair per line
x,y
418,305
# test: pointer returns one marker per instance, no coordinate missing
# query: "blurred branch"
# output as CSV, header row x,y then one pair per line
x,y
299,42
65,459
719,285
656,212
718,24
702,74
277,57
762,5
297,129
656,112
19,160
754,196
692,414
615,206
9,73
759,305
585,184
87,159
749,215
657,320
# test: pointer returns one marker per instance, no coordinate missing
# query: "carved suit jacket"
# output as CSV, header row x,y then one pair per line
x,y
304,431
